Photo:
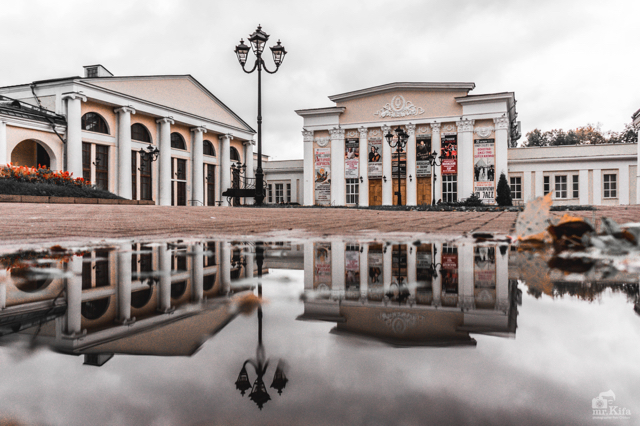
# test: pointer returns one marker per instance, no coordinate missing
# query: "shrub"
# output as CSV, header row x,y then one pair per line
x,y
503,192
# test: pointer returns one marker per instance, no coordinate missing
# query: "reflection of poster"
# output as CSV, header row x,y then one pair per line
x,y
423,149
322,266
423,263
375,158
450,272
323,176
352,268
449,154
351,158
484,173
399,265
484,277
375,266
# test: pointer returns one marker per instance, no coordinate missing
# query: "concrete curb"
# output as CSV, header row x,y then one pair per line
x,y
5,198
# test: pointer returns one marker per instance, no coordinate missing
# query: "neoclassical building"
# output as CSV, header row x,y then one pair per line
x,y
95,127
347,160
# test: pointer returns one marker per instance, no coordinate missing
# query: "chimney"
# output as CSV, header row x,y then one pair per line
x,y
95,71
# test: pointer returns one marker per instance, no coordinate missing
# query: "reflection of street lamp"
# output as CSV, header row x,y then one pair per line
x,y
258,40
259,393
399,143
433,161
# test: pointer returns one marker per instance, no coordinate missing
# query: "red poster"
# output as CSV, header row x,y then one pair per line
x,y
449,154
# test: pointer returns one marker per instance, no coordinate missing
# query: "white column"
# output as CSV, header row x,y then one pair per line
x,y
337,268
435,146
309,257
539,183
466,297
225,268
502,146
248,161
412,180
387,171
526,190
74,132
74,298
364,269
387,268
4,155
637,124
623,189
124,284
164,162
502,280
225,166
597,187
197,166
197,272
364,167
465,158
124,150
164,285
338,184
583,186
437,282
308,168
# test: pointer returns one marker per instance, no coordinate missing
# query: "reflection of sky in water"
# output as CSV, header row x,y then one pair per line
x,y
565,353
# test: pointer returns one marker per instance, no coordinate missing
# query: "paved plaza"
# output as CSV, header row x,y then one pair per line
x,y
23,224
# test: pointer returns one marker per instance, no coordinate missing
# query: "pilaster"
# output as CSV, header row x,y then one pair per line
x,y
411,178
435,146
197,166
338,183
124,150
502,145
164,161
465,158
248,161
308,168
364,167
225,166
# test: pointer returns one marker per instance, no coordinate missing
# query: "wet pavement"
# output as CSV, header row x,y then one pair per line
x,y
356,331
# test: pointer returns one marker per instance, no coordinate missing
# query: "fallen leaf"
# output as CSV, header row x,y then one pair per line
x,y
533,220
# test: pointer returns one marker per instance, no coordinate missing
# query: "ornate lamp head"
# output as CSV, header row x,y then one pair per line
x,y
278,53
242,50
258,39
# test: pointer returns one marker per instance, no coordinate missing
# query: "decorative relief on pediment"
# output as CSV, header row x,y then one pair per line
x,y
398,107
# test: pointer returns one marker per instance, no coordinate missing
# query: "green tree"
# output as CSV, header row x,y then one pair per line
x,y
536,138
628,135
504,192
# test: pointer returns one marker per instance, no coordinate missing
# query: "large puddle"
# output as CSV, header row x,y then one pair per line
x,y
348,332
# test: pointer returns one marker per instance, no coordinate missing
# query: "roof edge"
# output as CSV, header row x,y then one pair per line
x,y
402,85
320,111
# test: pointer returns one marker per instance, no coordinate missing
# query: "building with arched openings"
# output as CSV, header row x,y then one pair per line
x,y
95,127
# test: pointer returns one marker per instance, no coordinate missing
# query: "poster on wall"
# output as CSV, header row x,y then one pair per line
x,y
375,158
449,154
351,158
423,149
484,174
322,266
323,176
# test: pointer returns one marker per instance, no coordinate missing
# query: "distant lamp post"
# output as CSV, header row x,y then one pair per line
x,y
151,154
434,160
399,141
258,40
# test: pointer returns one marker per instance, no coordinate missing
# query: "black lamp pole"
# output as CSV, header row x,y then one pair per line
x,y
433,161
400,143
258,40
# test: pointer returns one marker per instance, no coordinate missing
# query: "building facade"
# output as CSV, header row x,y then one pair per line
x,y
96,126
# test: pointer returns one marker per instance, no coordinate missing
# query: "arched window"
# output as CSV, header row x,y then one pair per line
x,y
140,133
94,122
177,141
208,149
234,154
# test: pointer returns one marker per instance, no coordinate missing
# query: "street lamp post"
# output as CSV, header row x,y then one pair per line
x,y
433,161
258,40
399,143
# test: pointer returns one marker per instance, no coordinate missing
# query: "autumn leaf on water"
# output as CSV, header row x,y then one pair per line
x,y
532,223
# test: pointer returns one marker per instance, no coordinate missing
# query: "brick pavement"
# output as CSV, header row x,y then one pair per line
x,y
48,223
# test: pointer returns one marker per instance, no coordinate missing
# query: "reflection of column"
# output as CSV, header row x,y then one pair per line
x,y
502,146
387,187
74,297
124,285
412,180
435,146
249,258
437,282
197,272
225,268
124,150
502,280
387,267
3,143
74,132
466,299
197,166
465,158
164,162
3,296
338,184
337,269
164,286
309,171
309,257
364,167
411,267
364,269
225,166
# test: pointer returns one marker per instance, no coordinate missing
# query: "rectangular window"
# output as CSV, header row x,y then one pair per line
x,y
134,175
86,161
576,187
102,167
546,185
450,188
561,186
279,193
145,179
610,187
516,188
270,193
210,184
353,189
288,193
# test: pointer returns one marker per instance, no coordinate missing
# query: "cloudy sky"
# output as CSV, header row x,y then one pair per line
x,y
569,62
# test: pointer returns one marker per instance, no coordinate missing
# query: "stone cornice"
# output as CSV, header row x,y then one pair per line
x,y
320,111
402,86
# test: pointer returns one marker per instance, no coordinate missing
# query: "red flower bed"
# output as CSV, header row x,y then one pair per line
x,y
40,175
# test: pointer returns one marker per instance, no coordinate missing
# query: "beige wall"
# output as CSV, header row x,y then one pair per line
x,y
48,140
105,111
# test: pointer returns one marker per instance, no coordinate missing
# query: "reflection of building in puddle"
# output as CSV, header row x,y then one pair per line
x,y
157,299
411,295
